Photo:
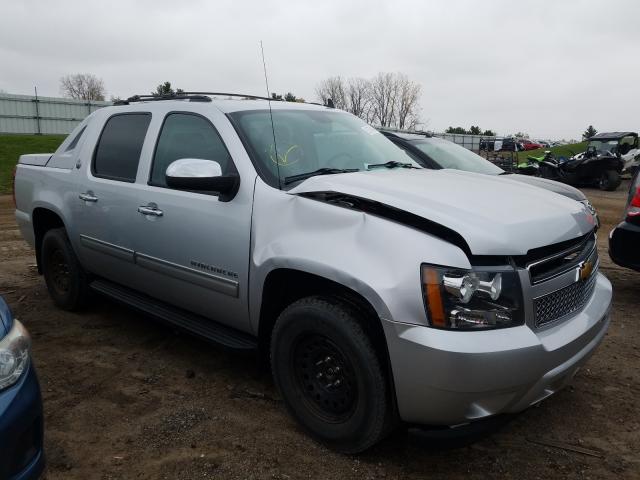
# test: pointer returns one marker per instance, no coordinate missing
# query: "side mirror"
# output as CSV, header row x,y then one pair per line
x,y
200,175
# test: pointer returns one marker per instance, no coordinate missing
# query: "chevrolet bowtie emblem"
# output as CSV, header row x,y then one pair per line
x,y
584,270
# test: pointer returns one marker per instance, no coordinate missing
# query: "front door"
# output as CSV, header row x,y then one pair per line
x,y
193,249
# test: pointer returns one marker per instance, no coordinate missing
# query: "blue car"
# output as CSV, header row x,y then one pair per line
x,y
21,421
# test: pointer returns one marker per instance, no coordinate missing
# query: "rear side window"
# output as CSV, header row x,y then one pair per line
x,y
118,152
186,135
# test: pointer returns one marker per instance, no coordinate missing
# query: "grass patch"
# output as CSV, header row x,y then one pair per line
x,y
12,146
559,151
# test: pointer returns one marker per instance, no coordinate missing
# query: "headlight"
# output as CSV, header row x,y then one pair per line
x,y
14,355
477,299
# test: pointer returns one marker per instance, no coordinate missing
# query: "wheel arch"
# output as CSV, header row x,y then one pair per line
x,y
283,286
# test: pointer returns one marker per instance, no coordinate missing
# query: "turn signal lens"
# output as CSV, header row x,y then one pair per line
x,y
434,297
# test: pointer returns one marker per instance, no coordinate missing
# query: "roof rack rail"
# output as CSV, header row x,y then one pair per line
x,y
190,96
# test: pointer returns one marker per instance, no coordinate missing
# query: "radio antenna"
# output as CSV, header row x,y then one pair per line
x,y
273,128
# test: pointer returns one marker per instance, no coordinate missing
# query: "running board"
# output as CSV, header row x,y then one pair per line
x,y
200,326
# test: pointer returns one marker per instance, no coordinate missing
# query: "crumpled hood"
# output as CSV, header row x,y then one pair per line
x,y
495,217
551,185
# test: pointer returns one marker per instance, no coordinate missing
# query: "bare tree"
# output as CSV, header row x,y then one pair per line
x,y
388,99
358,97
333,88
82,86
408,108
384,99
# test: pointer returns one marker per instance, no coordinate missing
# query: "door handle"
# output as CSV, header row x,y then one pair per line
x,y
151,210
88,197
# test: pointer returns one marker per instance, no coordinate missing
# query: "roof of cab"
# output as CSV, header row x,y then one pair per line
x,y
612,135
226,103
233,105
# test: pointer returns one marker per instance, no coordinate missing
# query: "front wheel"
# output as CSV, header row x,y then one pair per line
x,y
609,180
329,374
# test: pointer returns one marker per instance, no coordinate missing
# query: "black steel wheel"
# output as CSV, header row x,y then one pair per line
x,y
65,278
331,377
325,377
58,269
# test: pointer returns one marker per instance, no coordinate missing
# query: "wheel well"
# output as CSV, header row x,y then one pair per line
x,y
43,220
284,286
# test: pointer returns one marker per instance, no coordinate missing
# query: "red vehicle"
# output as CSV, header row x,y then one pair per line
x,y
529,145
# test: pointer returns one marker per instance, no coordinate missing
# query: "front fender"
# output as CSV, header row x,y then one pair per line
x,y
378,258
311,266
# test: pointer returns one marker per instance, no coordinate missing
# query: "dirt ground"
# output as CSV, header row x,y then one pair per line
x,y
125,397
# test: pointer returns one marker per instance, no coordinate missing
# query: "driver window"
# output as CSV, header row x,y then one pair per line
x,y
186,135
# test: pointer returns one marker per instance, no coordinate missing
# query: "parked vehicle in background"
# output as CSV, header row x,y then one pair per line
x,y
631,161
500,144
529,145
600,165
21,420
301,232
437,153
624,240
613,143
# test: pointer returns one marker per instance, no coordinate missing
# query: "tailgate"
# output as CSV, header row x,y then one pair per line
x,y
37,159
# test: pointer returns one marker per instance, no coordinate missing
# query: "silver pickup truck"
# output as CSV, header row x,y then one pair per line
x,y
378,291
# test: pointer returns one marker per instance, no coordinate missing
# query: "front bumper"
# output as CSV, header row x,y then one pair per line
x,y
449,378
21,429
623,245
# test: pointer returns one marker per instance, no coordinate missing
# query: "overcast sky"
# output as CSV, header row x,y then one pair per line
x,y
549,68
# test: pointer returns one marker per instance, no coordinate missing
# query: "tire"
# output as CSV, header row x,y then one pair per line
x,y
609,180
547,172
66,280
329,374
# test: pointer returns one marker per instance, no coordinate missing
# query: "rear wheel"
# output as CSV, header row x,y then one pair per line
x,y
609,180
329,374
65,278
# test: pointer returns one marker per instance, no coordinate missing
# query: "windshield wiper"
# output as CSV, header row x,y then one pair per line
x,y
320,171
391,164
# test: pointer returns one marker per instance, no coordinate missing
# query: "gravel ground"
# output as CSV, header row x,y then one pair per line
x,y
125,397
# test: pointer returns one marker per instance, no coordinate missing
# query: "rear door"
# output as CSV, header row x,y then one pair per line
x,y
193,249
107,200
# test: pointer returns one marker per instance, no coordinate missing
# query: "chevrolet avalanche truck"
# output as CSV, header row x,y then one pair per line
x,y
379,291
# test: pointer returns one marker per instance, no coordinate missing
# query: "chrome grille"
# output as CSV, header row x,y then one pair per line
x,y
570,299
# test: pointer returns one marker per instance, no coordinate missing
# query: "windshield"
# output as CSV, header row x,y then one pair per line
x,y
309,140
605,145
450,155
621,146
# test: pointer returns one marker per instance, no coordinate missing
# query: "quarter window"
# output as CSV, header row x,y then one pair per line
x,y
187,135
118,151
